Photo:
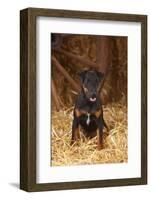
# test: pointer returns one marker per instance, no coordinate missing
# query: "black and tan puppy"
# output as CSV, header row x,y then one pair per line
x,y
88,112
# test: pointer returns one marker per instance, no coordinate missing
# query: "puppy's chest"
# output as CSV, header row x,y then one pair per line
x,y
88,118
88,115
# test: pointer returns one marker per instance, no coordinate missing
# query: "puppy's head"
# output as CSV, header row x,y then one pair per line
x,y
91,83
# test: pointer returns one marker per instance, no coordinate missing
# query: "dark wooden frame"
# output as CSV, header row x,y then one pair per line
x,y
28,98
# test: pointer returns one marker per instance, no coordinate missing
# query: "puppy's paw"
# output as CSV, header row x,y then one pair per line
x,y
99,147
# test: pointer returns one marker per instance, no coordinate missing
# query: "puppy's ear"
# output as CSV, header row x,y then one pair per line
x,y
100,75
82,75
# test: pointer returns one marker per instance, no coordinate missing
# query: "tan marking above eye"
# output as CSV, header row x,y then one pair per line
x,y
85,89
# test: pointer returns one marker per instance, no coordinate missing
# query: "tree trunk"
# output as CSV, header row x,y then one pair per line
x,y
103,53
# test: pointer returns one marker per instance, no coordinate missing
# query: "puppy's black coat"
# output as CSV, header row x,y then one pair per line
x,y
88,112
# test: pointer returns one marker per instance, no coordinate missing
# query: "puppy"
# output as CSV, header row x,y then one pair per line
x,y
88,112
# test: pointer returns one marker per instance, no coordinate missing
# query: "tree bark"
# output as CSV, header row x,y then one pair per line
x,y
77,57
103,53
55,96
74,85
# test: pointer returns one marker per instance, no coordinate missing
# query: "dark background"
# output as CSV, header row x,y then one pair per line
x,y
73,53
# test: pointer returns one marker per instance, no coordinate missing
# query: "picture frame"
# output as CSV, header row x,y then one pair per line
x,y
28,98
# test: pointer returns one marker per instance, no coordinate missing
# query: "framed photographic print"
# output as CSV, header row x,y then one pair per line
x,y
83,99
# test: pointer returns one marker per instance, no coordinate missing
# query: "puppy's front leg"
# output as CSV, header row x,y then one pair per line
x,y
100,136
75,131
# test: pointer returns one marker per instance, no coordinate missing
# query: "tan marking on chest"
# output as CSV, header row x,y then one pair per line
x,y
97,113
79,112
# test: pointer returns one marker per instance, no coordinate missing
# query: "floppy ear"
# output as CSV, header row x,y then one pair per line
x,y
100,75
82,75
